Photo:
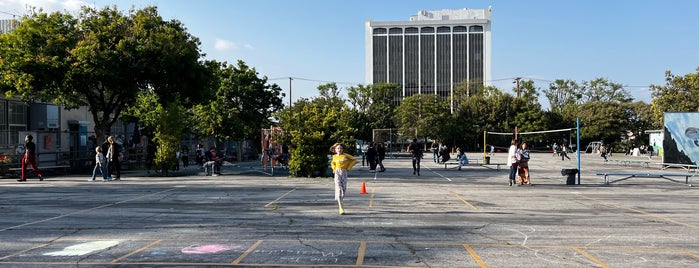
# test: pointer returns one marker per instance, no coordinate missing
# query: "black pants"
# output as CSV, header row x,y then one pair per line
x,y
115,168
416,165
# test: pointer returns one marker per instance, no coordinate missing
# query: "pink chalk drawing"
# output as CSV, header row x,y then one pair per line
x,y
205,249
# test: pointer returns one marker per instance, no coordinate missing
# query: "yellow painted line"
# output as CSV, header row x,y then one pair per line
x,y
592,258
696,256
280,198
247,252
463,200
360,253
30,249
640,212
136,251
84,210
475,256
371,198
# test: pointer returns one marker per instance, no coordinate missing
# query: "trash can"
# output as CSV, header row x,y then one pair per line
x,y
570,180
486,160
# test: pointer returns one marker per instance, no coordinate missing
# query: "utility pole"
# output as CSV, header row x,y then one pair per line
x,y
290,78
517,82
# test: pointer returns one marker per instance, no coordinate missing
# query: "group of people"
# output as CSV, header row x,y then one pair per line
x,y
375,154
518,161
109,164
440,154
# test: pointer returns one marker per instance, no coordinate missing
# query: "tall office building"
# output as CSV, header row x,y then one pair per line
x,y
7,25
432,52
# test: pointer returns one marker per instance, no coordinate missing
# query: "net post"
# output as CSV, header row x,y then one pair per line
x,y
484,144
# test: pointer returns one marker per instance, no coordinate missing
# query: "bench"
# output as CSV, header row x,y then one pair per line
x,y
494,164
626,176
627,162
472,162
688,167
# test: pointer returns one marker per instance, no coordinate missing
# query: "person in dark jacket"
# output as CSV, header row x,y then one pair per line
x,y
372,157
381,151
29,158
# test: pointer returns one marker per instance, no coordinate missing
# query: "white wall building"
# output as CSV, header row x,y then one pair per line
x,y
431,52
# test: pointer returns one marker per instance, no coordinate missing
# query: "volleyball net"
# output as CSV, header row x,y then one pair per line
x,y
537,141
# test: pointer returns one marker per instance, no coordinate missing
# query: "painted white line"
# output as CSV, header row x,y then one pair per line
x,y
84,248
275,200
84,210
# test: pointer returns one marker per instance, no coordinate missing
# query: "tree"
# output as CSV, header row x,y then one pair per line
x,y
167,123
679,94
422,115
311,127
603,90
240,104
562,93
375,107
100,59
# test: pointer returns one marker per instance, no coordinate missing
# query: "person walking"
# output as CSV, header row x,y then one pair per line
x,y
564,152
381,152
523,164
512,160
113,158
100,164
29,158
415,151
341,164
435,151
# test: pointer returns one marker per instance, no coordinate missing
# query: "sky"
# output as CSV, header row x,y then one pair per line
x,y
628,42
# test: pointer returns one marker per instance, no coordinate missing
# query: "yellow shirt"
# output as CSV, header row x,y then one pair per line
x,y
343,161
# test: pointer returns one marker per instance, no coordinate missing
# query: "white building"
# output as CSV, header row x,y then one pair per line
x,y
432,52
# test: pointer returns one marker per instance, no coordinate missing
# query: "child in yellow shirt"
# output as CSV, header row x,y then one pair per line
x,y
341,164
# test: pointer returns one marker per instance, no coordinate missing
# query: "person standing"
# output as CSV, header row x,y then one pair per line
x,y
372,155
113,158
184,155
199,155
381,151
100,164
512,160
29,158
523,164
435,151
415,151
341,164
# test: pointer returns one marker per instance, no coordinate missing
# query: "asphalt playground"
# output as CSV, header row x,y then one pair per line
x,y
446,217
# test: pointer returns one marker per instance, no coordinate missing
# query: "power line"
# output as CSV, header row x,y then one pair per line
x,y
634,87
8,13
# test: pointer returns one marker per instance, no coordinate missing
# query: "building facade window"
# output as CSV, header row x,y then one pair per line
x,y
432,53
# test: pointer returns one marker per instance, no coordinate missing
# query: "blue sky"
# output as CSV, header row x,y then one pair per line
x,y
317,41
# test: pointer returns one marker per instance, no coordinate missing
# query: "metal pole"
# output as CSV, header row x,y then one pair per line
x,y
577,122
290,78
484,144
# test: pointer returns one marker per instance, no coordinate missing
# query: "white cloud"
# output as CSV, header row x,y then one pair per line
x,y
222,45
225,45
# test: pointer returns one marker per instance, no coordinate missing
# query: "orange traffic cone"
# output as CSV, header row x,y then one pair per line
x,y
363,188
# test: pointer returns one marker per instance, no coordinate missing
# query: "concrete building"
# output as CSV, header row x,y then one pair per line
x,y
432,52
7,25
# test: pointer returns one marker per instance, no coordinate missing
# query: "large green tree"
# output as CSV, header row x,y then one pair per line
x,y
239,106
423,115
311,127
375,106
101,59
679,94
